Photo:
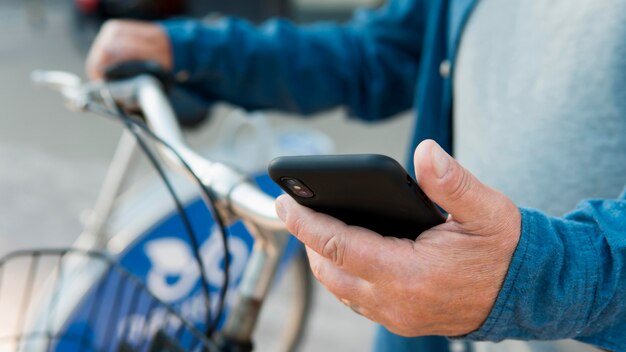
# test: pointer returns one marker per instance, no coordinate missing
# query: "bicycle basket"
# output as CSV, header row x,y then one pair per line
x,y
80,300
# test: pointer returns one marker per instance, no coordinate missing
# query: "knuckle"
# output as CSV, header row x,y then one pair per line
x,y
334,248
320,271
106,45
107,54
113,26
295,225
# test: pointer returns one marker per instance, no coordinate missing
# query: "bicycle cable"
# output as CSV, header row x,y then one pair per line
x,y
131,123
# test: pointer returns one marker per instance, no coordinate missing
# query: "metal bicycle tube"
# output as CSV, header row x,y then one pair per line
x,y
255,284
93,235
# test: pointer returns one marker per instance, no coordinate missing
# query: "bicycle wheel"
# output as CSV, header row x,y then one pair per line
x,y
296,283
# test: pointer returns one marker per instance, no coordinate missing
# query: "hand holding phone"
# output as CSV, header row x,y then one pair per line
x,y
367,190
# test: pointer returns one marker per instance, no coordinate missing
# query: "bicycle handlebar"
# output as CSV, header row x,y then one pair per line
x,y
236,196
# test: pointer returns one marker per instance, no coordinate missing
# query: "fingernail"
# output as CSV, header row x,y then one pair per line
x,y
280,208
441,161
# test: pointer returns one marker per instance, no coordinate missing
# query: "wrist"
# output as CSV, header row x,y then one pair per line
x,y
548,288
180,35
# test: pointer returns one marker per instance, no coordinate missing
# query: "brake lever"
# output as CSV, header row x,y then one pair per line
x,y
76,97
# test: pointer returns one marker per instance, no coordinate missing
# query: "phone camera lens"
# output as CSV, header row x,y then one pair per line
x,y
297,187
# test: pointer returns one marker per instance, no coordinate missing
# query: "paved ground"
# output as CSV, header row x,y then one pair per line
x,y
52,161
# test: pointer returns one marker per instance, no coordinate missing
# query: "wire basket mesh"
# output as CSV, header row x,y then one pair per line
x,y
81,300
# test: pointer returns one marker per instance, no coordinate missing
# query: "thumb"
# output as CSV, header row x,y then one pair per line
x,y
479,208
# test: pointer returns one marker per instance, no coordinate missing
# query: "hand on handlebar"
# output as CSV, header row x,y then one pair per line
x,y
123,40
443,283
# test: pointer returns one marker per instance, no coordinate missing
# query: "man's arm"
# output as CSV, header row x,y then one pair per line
x,y
369,64
567,279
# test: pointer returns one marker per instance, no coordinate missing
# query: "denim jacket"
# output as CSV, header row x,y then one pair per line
x,y
567,278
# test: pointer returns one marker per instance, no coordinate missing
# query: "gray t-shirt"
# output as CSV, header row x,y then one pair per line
x,y
540,102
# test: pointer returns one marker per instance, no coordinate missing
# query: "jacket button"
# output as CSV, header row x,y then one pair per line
x,y
444,69
181,76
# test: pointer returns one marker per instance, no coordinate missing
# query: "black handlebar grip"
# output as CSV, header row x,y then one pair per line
x,y
190,111
130,69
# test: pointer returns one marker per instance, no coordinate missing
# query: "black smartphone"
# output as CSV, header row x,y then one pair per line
x,y
369,190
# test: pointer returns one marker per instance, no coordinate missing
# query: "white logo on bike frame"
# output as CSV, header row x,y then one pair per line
x,y
174,272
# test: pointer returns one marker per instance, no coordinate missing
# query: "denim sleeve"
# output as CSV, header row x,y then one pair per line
x,y
567,279
368,64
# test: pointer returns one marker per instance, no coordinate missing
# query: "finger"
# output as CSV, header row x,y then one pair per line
x,y
353,306
101,51
354,292
456,190
105,54
125,40
118,53
354,249
340,283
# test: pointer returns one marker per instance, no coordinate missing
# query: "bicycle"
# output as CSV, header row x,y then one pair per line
x,y
119,292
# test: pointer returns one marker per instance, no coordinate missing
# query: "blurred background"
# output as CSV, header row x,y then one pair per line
x,y
52,161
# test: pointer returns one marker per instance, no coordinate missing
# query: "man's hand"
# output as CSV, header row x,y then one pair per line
x,y
122,40
443,283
